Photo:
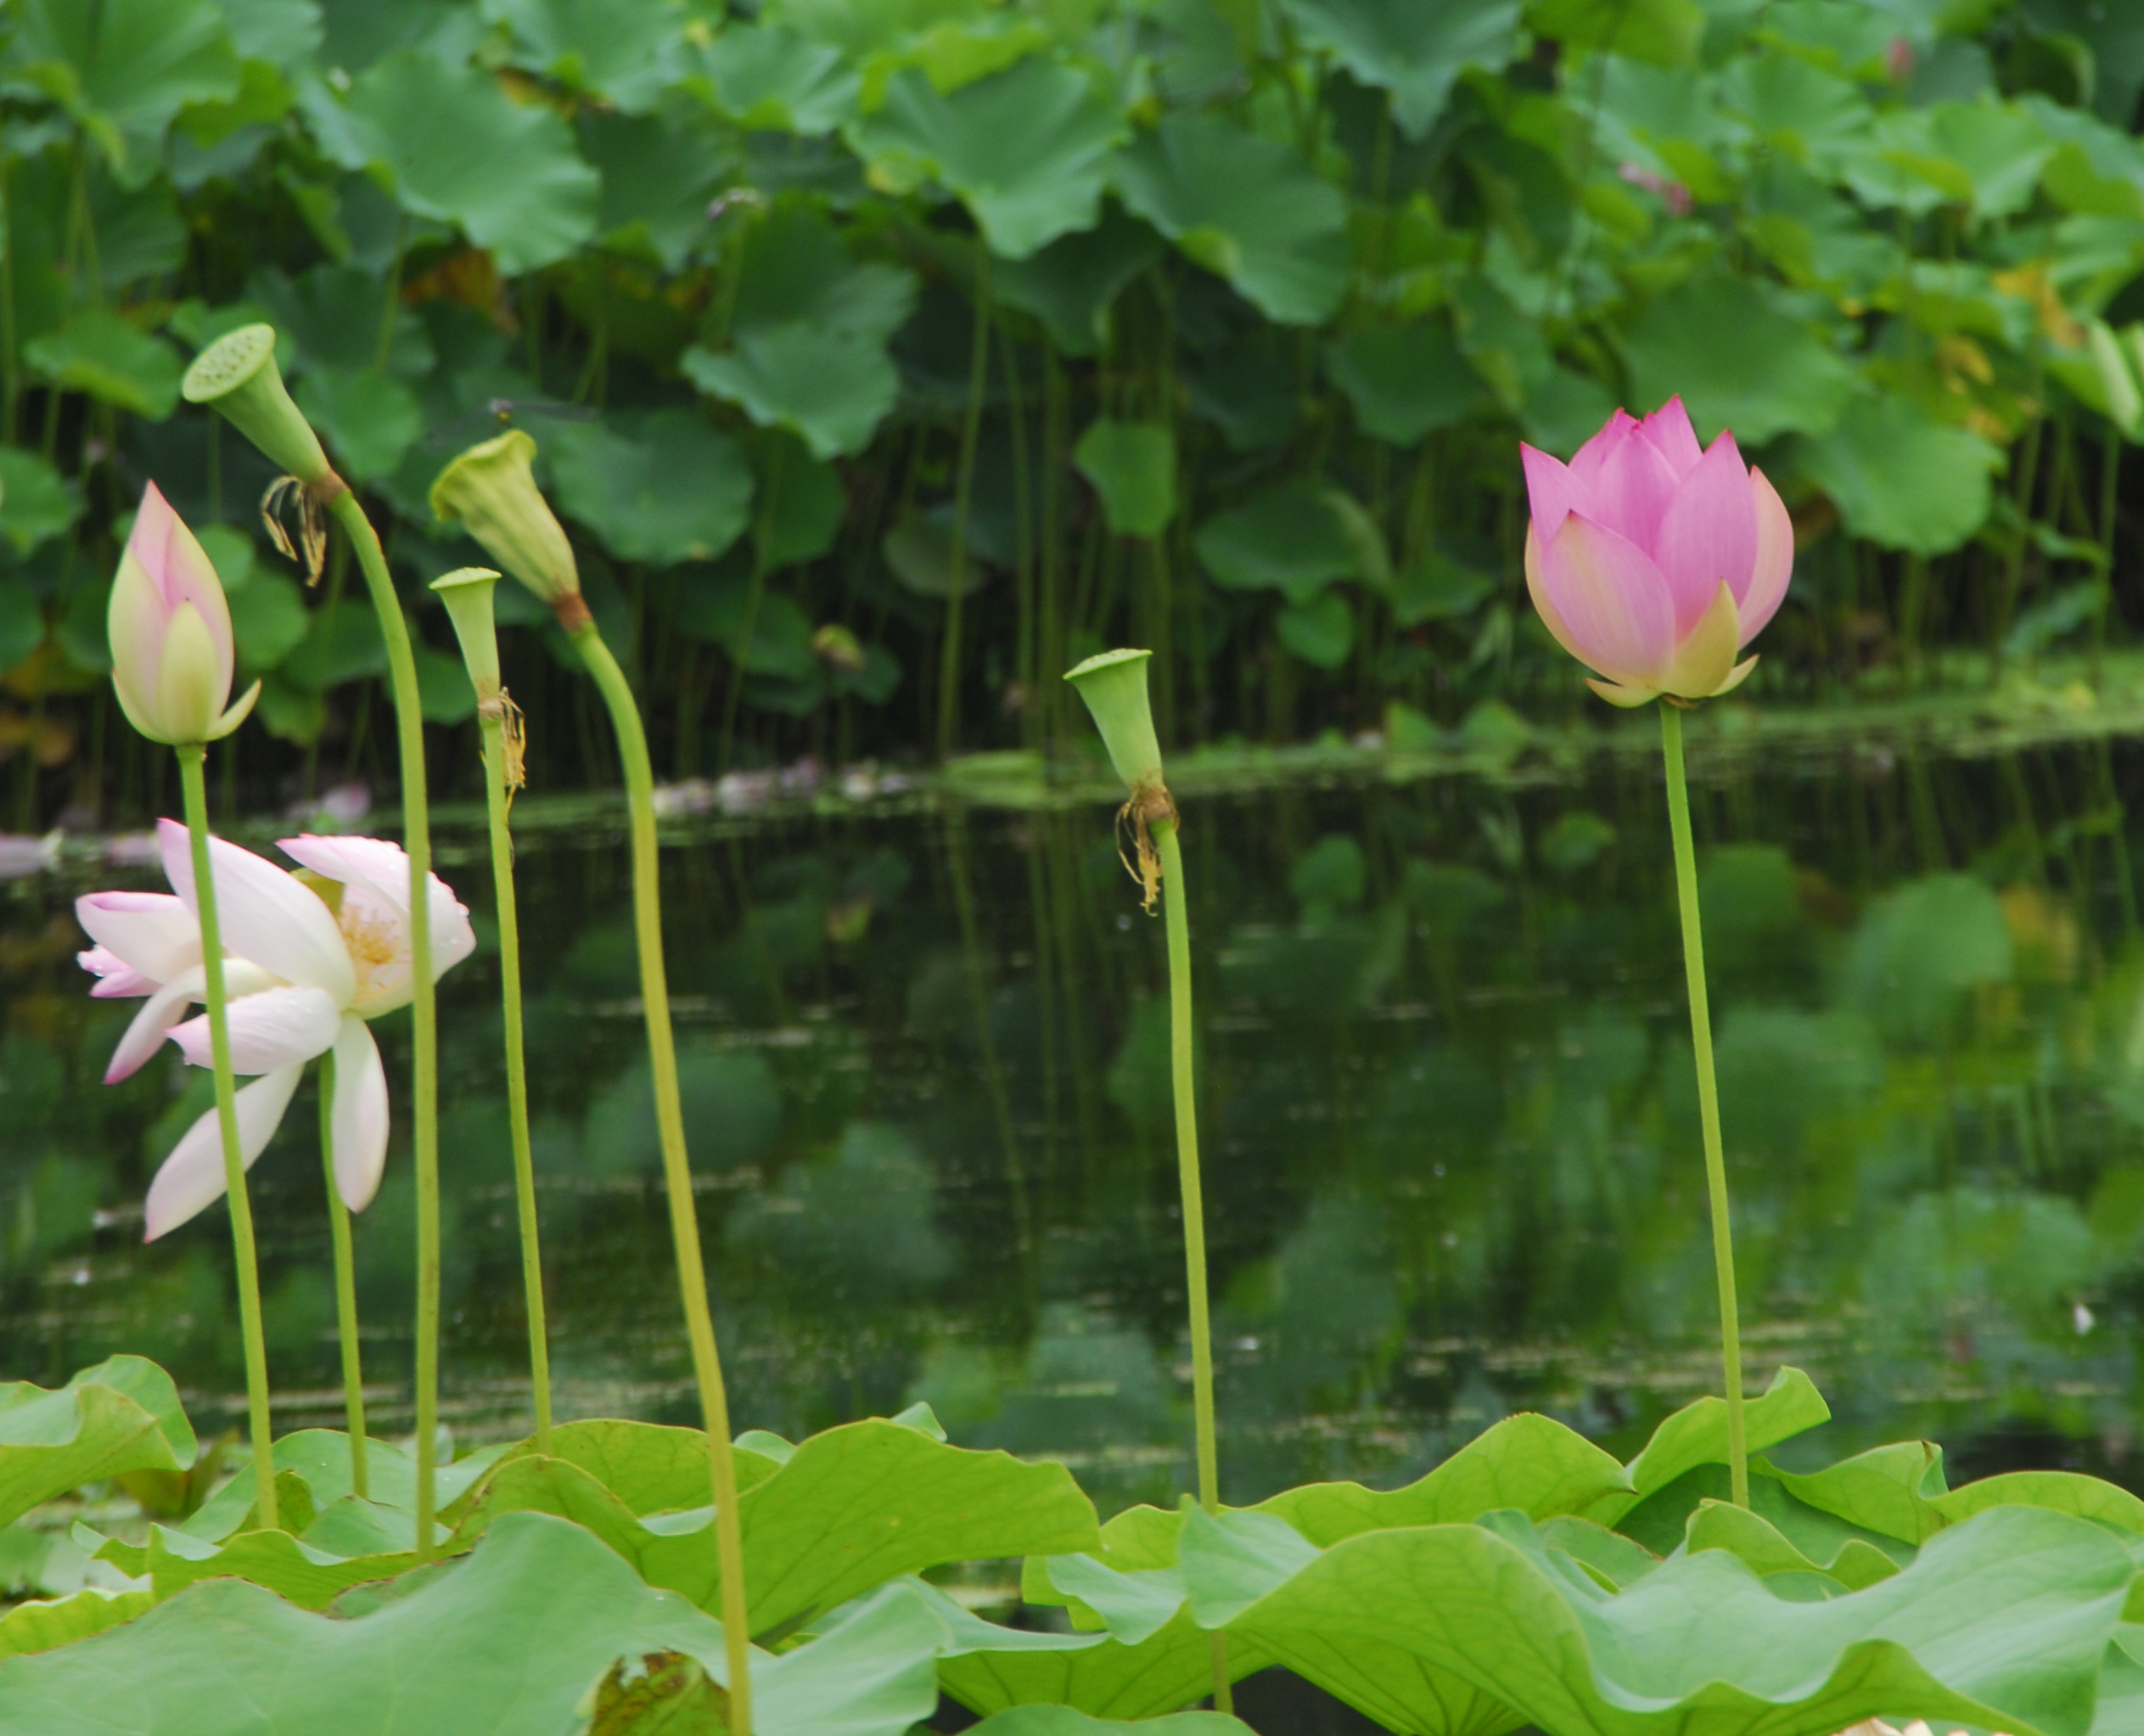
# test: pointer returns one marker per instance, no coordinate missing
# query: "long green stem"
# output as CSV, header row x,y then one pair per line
x,y
517,1070
1693,964
353,1373
190,758
964,490
1177,916
678,1175
417,839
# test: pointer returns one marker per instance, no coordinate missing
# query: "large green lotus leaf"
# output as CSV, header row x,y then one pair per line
x,y
1026,149
369,419
830,389
268,618
616,50
1661,1521
664,487
849,1510
513,1641
299,1570
796,270
111,358
281,33
2060,1491
1066,1721
1414,51
1763,1548
1248,208
462,151
2096,168
1071,285
1320,633
1886,1489
649,1467
768,79
1820,121
1290,539
320,1460
1133,468
1900,477
2001,1622
1170,1669
123,1414
124,69
659,175
36,502
1696,1435
1993,150
1403,381
39,1626
1660,32
1738,362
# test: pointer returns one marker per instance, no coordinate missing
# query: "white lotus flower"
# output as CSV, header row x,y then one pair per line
x,y
311,961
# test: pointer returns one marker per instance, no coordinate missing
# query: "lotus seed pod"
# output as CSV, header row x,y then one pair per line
x,y
1113,684
466,593
238,375
492,489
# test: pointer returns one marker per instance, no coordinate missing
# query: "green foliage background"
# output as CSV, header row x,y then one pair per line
x,y
887,356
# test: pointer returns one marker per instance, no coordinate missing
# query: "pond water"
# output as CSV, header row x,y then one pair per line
x,y
1450,1139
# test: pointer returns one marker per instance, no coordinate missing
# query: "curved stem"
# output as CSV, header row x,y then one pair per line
x,y
517,1071
191,781
1177,916
1693,964
353,1373
417,839
677,1175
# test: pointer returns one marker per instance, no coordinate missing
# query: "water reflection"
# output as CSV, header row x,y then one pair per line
x,y
1452,1153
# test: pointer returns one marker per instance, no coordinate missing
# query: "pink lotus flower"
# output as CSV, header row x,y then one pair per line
x,y
313,960
172,653
1655,562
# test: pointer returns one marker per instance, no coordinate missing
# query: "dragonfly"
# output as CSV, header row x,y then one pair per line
x,y
503,412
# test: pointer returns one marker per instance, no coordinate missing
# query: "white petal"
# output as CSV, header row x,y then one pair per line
x,y
362,862
267,915
116,980
358,1121
452,938
158,1014
192,1176
278,1027
153,931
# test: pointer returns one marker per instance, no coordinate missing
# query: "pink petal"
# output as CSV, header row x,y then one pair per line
x,y
116,980
1610,600
1550,491
1669,429
382,868
278,1027
1709,534
1587,460
358,1120
192,1176
145,1035
181,572
1629,484
1774,563
154,933
268,916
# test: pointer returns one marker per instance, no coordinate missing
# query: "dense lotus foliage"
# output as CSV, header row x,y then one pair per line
x,y
886,359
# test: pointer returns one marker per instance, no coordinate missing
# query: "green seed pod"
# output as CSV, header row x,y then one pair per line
x,y
238,375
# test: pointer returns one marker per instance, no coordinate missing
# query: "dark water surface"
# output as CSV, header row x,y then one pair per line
x,y
1450,1134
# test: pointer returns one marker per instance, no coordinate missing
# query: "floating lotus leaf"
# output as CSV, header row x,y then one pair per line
x,y
664,487
514,1640
121,1415
1414,51
461,151
1248,208
1025,150
1900,478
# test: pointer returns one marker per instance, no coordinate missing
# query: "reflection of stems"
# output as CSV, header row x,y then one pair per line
x,y
678,1175
417,839
964,486
1175,903
353,1373
1693,961
993,1073
517,1071
762,541
190,756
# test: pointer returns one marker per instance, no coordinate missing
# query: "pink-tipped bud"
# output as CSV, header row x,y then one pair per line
x,y
171,634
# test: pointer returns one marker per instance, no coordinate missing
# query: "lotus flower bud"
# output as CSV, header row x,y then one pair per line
x,y
466,593
1113,684
238,375
1655,562
493,490
171,634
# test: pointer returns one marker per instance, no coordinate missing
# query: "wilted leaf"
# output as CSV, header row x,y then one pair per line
x,y
1248,208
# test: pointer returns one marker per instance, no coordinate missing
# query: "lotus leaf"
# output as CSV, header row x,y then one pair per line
x,y
1403,381
1900,477
100,353
1071,285
369,419
1247,208
1292,539
1064,1721
663,488
1133,468
1026,149
1738,362
36,502
764,77
1415,52
1320,632
658,176
121,1415
1660,32
41,1625
619,50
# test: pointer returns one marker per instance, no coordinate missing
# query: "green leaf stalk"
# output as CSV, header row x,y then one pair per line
x,y
964,490
191,757
1694,963
468,596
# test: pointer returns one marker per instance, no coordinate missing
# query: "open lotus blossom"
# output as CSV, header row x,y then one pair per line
x,y
1654,561
312,959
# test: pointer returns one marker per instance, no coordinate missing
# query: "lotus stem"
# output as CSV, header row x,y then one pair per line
x,y
195,786
353,1373
417,839
1176,916
677,1177
963,489
1693,964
